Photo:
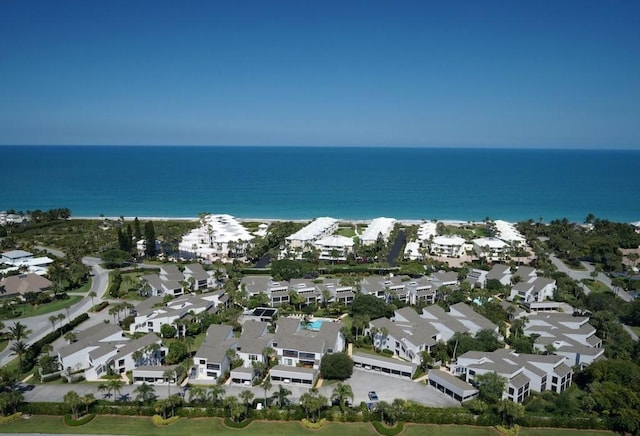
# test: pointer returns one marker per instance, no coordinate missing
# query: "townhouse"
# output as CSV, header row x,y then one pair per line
x,y
308,235
211,362
568,336
493,249
102,349
152,313
524,372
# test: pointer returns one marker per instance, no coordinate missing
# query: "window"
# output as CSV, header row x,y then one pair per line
x,y
253,357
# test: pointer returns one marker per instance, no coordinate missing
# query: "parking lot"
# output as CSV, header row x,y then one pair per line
x,y
389,388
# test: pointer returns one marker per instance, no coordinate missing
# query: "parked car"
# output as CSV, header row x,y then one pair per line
x,y
373,396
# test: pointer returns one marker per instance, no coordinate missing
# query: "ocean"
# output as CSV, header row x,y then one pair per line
x,y
307,182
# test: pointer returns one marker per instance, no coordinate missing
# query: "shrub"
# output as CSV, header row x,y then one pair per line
x,y
38,408
314,425
68,420
159,421
10,418
101,306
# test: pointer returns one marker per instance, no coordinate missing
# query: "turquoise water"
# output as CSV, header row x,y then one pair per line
x,y
306,182
314,325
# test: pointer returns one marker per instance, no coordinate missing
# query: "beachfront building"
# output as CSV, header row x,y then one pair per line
x,y
524,372
492,249
378,229
508,232
317,229
426,232
571,337
447,246
219,237
334,247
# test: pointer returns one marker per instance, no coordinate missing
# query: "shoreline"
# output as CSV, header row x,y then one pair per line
x,y
407,222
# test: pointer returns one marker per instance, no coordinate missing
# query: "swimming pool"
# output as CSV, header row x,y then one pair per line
x,y
314,325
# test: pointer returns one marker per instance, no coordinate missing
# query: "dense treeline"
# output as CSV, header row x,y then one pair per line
x,y
599,241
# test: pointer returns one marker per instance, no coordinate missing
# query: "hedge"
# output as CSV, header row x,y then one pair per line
x,y
38,408
314,425
387,431
99,307
242,424
68,420
159,421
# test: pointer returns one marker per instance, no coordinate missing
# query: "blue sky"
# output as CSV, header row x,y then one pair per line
x,y
461,73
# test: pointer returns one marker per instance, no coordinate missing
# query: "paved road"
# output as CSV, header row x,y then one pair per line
x,y
586,274
40,325
398,244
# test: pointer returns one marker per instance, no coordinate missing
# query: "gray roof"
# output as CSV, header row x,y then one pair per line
x,y
138,344
519,380
498,272
196,271
438,375
24,283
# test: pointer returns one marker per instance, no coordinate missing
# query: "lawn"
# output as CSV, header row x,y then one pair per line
x,y
349,231
143,426
596,286
635,328
29,310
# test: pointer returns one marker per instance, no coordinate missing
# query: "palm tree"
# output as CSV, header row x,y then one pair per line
x,y
246,396
137,357
215,393
60,318
145,393
115,385
18,331
269,356
168,375
70,336
88,400
92,294
104,389
197,394
73,399
234,408
341,392
282,393
266,385
52,320
20,348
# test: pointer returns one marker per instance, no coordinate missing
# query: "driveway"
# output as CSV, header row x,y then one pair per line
x,y
579,275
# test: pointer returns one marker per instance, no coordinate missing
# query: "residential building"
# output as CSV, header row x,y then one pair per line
x,y
218,237
20,285
426,232
379,228
452,386
571,337
524,372
198,278
493,249
296,345
211,362
334,247
317,229
447,246
461,318
384,365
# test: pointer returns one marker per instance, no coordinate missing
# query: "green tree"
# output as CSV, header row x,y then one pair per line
x,y
312,402
233,407
168,331
246,396
282,395
336,366
20,349
215,393
18,331
510,411
149,239
266,385
490,386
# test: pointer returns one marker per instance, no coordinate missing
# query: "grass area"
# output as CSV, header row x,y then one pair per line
x,y
561,432
3,344
348,231
635,328
83,288
24,310
143,426
596,286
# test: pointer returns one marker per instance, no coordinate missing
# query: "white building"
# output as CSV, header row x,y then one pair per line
x,y
447,246
508,232
218,237
426,232
490,248
318,228
334,247
378,228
